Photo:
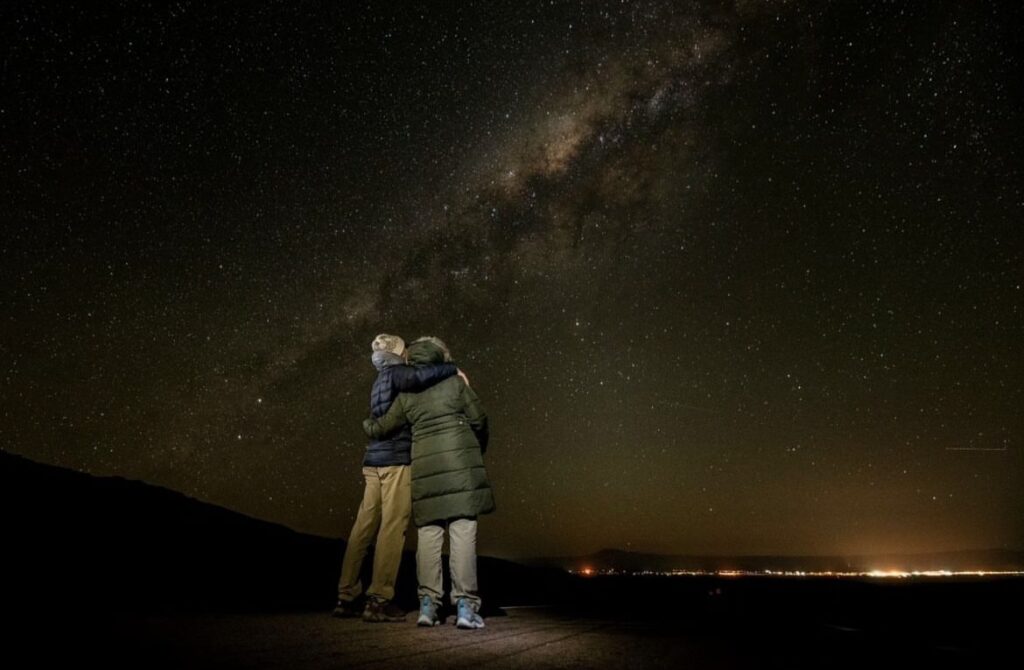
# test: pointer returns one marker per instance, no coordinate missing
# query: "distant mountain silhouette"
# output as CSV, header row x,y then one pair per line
x,y
615,559
73,540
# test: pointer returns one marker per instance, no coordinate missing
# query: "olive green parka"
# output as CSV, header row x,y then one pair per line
x,y
449,437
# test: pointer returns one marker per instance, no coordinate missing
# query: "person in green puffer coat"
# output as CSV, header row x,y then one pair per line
x,y
449,483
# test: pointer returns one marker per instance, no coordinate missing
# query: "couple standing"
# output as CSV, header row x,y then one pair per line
x,y
435,471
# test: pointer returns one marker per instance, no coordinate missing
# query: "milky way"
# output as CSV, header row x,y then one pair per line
x,y
728,277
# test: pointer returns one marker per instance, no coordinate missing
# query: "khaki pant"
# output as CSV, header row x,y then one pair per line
x,y
461,561
384,513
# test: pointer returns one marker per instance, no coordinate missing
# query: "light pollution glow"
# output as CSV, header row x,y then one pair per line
x,y
872,574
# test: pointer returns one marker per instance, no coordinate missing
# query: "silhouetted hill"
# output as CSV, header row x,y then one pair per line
x,y
108,542
73,540
626,561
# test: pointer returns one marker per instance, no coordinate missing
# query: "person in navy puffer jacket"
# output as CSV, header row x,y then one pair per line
x,y
387,503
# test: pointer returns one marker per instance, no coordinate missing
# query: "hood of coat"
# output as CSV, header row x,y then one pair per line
x,y
425,352
385,359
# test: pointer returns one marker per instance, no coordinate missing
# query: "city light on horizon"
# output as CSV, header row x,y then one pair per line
x,y
842,574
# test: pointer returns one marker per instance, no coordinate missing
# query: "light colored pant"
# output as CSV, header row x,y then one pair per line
x,y
384,513
462,561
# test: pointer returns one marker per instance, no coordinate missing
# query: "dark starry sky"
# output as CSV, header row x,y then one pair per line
x,y
728,277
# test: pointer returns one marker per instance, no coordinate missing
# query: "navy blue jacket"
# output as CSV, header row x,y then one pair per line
x,y
396,449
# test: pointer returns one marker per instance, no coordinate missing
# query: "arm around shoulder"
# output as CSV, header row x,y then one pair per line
x,y
420,378
393,420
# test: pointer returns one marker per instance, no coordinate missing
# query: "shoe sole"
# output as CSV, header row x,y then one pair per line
x,y
424,622
465,624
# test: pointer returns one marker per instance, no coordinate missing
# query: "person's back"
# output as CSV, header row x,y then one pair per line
x,y
449,437
394,376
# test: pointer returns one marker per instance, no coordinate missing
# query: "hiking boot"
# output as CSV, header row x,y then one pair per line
x,y
428,613
347,609
379,610
467,616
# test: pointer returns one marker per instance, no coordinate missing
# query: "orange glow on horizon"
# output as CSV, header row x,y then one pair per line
x,y
733,573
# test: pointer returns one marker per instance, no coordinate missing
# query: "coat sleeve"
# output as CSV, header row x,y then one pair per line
x,y
477,417
387,424
420,378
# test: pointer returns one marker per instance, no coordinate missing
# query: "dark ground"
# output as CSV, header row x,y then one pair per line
x,y
614,623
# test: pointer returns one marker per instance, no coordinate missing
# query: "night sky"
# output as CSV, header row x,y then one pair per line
x,y
728,277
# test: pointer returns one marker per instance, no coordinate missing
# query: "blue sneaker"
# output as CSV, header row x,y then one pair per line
x,y
428,613
467,616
